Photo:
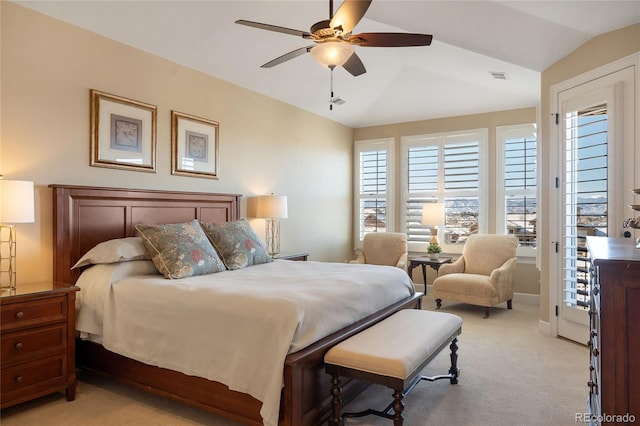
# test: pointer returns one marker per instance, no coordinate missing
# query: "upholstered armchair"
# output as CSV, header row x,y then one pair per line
x,y
384,248
483,275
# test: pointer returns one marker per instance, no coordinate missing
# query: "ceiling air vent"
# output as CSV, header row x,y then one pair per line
x,y
498,75
338,101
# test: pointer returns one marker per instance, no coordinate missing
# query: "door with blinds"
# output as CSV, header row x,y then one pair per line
x,y
596,130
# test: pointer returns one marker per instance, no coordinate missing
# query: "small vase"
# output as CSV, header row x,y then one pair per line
x,y
435,256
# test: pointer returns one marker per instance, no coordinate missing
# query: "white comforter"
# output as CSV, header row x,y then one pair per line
x,y
234,327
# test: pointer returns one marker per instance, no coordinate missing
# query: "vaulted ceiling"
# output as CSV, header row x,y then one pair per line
x,y
471,39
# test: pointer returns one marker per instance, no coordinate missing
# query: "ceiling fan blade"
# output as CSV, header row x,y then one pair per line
x,y
390,39
354,65
349,14
287,56
275,28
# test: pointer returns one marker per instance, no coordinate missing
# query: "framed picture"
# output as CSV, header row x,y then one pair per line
x,y
194,146
123,133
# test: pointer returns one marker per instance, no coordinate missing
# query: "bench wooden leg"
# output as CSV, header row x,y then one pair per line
x,y
336,402
398,407
510,304
453,371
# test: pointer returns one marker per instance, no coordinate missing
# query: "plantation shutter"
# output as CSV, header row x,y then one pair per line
x,y
462,184
423,178
520,188
373,192
586,196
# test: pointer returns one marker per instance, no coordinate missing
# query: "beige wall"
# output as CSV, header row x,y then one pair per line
x,y
528,276
266,146
598,51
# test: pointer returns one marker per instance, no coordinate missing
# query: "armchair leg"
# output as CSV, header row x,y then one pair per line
x,y
510,304
486,312
438,303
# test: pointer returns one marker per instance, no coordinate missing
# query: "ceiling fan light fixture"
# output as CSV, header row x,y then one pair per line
x,y
331,53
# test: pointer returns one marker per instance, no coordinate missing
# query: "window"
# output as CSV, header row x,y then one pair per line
x,y
516,196
449,168
373,187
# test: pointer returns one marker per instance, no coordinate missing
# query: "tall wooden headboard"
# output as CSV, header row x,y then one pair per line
x,y
84,216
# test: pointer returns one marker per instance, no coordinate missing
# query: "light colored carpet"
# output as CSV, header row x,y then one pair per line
x,y
510,375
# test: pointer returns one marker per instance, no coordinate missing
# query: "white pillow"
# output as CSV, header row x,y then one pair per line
x,y
113,251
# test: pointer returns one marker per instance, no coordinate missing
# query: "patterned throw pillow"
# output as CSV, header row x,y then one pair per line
x,y
180,250
237,244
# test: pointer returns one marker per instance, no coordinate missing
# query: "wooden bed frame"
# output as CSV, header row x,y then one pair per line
x,y
84,216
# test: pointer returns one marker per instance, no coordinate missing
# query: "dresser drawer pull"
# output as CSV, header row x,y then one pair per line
x,y
19,315
19,345
19,379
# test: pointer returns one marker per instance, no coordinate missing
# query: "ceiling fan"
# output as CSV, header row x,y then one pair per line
x,y
334,39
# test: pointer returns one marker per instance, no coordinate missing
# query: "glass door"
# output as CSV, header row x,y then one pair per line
x,y
592,181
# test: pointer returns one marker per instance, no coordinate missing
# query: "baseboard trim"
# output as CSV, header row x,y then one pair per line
x,y
544,327
524,298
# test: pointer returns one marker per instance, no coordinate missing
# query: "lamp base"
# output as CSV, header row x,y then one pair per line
x,y
7,257
273,236
434,236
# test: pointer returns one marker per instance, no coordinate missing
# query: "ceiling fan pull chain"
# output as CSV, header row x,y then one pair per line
x,y
331,97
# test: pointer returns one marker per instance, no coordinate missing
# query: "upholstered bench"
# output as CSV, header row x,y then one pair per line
x,y
392,353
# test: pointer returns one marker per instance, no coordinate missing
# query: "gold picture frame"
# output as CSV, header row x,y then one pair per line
x,y
123,133
194,146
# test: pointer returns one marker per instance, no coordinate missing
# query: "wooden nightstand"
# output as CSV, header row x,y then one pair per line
x,y
292,256
37,324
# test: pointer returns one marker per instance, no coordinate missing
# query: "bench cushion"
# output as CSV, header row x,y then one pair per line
x,y
398,345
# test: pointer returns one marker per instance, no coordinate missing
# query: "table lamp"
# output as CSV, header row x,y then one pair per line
x,y
433,215
272,208
16,206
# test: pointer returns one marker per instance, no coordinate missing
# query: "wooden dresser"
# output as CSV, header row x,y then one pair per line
x,y
614,396
37,323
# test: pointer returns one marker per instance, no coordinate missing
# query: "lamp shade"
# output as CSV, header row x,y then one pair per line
x,y
272,207
433,214
16,201
331,53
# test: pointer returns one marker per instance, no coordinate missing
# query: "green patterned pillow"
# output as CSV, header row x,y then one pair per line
x,y
180,250
237,244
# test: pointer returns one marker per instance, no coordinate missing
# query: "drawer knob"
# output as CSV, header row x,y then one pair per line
x,y
19,345
591,384
19,315
19,379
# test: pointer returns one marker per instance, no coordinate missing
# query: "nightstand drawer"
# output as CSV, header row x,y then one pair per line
x,y
29,377
33,343
34,312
